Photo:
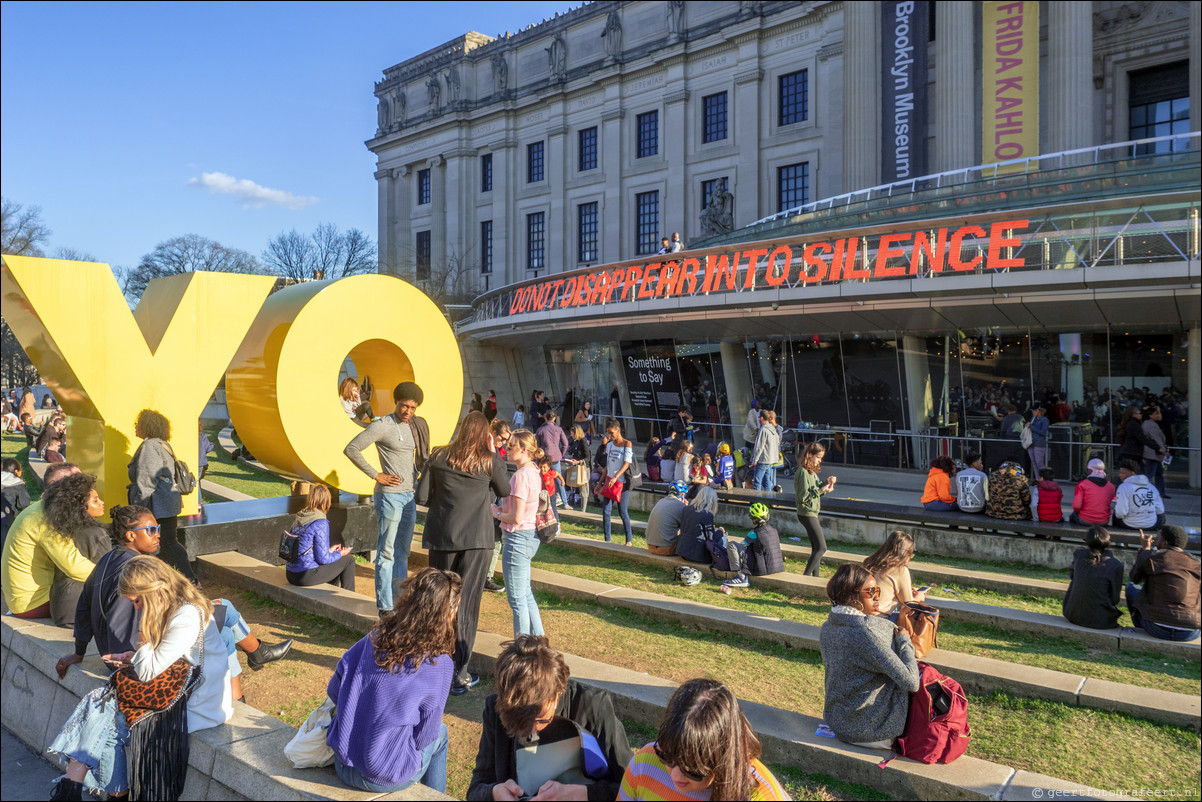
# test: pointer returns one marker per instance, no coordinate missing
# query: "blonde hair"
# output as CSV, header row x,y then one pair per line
x,y
577,433
528,443
163,591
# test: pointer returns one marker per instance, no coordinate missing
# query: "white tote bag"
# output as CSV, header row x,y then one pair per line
x,y
308,749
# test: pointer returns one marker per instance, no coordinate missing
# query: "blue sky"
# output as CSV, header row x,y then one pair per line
x,y
114,113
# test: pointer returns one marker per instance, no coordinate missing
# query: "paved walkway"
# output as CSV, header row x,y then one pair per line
x,y
23,775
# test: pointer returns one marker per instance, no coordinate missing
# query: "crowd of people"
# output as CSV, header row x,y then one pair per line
x,y
129,588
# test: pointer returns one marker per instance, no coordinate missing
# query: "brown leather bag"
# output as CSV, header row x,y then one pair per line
x,y
921,623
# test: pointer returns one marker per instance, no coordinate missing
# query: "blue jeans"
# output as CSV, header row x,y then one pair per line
x,y
96,735
607,506
940,506
765,477
395,515
1154,629
516,554
1154,470
432,772
234,630
559,488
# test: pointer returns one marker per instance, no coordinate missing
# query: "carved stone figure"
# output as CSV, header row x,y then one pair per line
x,y
500,73
400,105
434,93
613,35
385,115
453,85
557,58
718,217
675,17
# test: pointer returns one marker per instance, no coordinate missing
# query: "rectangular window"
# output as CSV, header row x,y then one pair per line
x,y
794,97
792,186
423,187
534,162
486,246
586,232
1158,105
486,173
588,149
647,224
536,241
714,113
648,127
423,255
707,190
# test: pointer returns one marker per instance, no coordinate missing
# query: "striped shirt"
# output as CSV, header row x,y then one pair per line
x,y
648,778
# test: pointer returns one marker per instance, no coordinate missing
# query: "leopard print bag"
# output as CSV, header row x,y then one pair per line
x,y
136,698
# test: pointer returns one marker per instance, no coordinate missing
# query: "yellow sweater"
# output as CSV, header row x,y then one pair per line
x,y
32,551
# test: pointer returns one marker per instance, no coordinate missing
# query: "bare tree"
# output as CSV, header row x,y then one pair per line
x,y
448,283
22,230
187,254
74,255
327,253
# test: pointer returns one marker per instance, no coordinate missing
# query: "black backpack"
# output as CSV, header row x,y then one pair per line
x,y
290,546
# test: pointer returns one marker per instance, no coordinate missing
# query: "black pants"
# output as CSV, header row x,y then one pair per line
x,y
817,543
340,573
170,549
472,567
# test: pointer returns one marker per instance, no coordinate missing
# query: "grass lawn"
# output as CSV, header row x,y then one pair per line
x,y
13,445
228,472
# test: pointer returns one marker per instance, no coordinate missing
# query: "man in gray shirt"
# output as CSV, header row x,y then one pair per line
x,y
402,448
663,523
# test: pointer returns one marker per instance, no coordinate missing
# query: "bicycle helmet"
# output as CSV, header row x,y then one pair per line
x,y
678,489
687,575
759,511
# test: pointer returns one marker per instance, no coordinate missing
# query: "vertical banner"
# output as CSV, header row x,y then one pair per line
x,y
1010,77
653,383
904,89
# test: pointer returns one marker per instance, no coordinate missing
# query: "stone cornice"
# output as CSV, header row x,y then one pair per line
x,y
613,114
677,96
382,174
751,76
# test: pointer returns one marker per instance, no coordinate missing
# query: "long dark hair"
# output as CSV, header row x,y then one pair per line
x,y
944,463
705,734
1098,540
469,451
421,626
897,550
66,504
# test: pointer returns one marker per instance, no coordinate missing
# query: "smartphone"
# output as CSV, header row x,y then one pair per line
x,y
924,589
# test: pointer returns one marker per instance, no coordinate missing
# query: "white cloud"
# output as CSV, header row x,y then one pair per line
x,y
250,193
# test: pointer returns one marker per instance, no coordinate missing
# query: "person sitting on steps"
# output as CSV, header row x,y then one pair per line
x,y
1095,581
1167,605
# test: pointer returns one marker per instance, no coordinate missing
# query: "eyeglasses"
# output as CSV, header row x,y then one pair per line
x,y
873,592
153,530
671,764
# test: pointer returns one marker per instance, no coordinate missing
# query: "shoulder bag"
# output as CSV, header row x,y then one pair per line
x,y
921,623
185,480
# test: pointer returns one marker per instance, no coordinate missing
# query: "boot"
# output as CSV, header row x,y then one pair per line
x,y
266,654
65,790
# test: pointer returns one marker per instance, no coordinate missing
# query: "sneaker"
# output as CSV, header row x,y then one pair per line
x,y
492,587
459,688
739,581
558,501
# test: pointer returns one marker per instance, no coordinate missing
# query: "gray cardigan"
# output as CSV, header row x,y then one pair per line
x,y
152,479
870,674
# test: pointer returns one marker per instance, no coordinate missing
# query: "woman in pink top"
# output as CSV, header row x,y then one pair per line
x,y
520,542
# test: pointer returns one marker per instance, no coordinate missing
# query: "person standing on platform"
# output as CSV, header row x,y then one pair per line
x,y
809,493
402,440
752,427
766,453
677,245
1038,452
152,485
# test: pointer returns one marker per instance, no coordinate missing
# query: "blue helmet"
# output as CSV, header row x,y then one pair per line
x,y
677,489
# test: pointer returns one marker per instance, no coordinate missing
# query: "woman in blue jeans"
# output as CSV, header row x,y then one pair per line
x,y
516,513
390,689
619,456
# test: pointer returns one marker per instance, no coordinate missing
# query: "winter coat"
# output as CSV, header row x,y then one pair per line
x,y
1093,591
1050,499
1170,595
152,479
763,551
1091,500
312,531
1009,497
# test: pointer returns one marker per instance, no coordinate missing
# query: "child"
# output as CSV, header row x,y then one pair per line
x,y
1050,497
726,467
651,459
684,462
699,474
762,548
519,417
14,497
549,475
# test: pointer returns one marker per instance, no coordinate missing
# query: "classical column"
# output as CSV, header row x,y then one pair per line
x,y
955,111
738,386
1069,76
560,253
920,402
438,214
861,96
747,137
1195,80
504,268
676,204
610,221
1194,384
385,214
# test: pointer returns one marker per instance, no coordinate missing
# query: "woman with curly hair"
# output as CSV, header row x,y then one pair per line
x,y
72,508
390,689
152,485
705,749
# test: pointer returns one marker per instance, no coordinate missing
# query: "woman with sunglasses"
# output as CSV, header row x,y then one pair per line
x,y
705,749
870,666
533,690
104,614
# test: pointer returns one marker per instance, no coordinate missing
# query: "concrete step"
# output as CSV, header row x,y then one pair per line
x,y
1003,618
942,574
786,737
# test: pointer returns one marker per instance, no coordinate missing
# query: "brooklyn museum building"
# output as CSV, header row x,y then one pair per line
x,y
896,218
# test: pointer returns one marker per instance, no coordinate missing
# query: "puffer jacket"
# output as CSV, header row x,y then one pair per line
x,y
313,542
1091,500
1050,499
1009,497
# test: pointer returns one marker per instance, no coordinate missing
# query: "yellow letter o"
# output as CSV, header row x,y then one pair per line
x,y
281,388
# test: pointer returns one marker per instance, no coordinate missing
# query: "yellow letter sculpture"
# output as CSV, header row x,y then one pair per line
x,y
104,364
282,386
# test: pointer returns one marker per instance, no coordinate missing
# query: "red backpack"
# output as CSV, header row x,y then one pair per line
x,y
937,728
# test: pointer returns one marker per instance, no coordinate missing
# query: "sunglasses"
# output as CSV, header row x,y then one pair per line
x,y
154,530
873,592
671,764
